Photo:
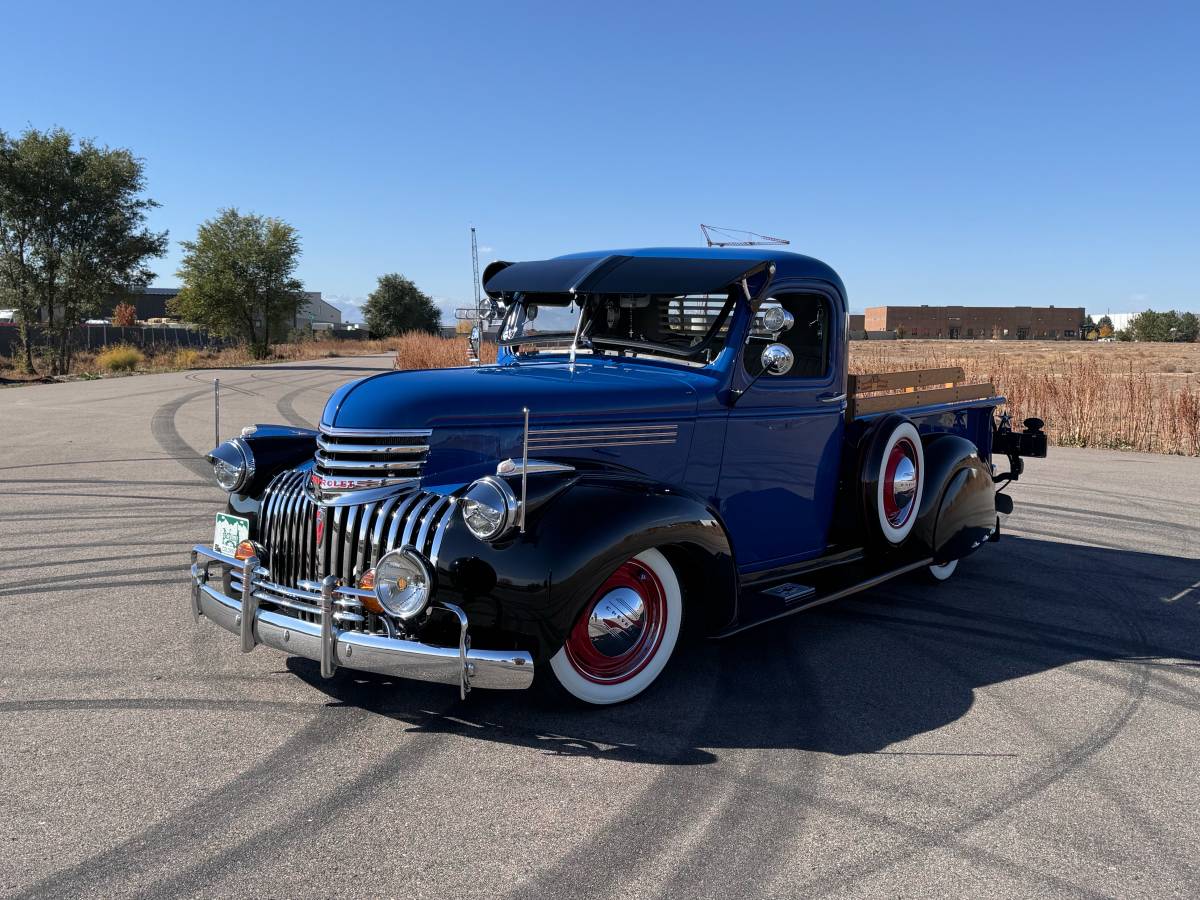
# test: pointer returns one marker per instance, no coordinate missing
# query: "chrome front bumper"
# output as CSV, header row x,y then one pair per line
x,y
323,641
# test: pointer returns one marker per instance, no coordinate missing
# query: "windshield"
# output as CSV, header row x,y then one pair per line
x,y
529,322
683,327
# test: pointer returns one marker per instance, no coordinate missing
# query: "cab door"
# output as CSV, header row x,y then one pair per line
x,y
783,442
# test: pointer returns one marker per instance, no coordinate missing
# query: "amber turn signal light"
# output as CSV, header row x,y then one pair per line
x,y
245,550
366,582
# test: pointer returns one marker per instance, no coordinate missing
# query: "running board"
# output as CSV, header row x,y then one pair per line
x,y
760,607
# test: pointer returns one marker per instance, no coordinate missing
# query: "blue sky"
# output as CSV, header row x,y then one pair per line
x,y
958,153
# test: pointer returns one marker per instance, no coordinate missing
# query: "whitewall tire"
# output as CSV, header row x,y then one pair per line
x,y
900,483
625,634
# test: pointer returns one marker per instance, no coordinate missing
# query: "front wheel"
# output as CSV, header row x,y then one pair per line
x,y
625,634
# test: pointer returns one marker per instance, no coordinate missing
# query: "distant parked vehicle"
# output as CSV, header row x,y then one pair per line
x,y
668,434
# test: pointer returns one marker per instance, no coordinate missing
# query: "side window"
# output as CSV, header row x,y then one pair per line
x,y
808,338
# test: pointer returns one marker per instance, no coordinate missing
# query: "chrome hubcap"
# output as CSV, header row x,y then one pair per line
x,y
617,622
904,487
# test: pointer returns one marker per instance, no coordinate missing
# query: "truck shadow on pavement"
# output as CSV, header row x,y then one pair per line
x,y
864,674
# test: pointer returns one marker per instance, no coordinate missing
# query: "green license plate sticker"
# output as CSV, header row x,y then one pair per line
x,y
230,531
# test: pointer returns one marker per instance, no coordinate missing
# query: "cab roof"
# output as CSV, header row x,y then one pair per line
x,y
654,270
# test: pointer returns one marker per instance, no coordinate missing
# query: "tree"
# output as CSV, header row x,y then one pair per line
x,y
124,315
239,278
397,305
1189,327
1105,321
72,230
1106,329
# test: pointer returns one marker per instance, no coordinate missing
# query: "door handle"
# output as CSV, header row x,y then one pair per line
x,y
831,398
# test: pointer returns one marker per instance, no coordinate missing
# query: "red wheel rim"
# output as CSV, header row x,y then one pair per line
x,y
899,498
610,643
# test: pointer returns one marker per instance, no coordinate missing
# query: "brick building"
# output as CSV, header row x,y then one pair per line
x,y
1052,323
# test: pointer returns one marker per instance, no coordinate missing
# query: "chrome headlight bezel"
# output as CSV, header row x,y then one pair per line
x,y
489,508
233,465
409,601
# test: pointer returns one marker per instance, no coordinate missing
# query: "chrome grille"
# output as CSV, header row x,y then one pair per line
x,y
355,537
397,456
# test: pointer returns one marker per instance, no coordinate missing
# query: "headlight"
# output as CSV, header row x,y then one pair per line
x,y
402,583
489,508
233,464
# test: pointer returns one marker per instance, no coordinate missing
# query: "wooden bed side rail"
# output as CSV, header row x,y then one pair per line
x,y
899,381
920,387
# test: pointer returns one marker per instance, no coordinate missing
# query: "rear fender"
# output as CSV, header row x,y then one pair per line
x,y
958,508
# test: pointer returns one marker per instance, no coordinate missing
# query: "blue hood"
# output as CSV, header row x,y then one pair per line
x,y
495,395
476,414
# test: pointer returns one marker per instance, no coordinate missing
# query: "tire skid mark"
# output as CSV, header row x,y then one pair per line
x,y
94,575
151,704
180,580
89,462
209,815
677,797
59,561
225,385
287,409
306,826
1064,764
166,434
707,861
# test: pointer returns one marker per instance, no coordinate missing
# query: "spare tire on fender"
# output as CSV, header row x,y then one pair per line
x,y
891,479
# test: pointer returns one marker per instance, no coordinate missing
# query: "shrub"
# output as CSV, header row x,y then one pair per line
x,y
124,315
185,359
417,350
120,358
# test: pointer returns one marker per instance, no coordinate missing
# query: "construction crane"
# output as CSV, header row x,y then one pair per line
x,y
475,271
735,237
475,341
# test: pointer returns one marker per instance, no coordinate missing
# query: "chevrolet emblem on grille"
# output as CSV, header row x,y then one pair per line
x,y
350,462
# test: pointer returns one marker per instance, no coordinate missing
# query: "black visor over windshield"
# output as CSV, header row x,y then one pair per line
x,y
622,275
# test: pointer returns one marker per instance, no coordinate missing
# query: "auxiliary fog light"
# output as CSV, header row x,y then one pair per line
x,y
403,583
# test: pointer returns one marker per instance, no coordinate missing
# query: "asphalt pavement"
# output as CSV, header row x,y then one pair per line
x,y
1030,728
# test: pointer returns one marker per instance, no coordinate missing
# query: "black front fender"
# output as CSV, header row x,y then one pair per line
x,y
534,585
275,448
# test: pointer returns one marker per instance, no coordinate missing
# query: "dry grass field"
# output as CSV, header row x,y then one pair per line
x,y
1126,396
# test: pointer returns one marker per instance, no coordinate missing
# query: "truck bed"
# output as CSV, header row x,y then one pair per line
x,y
935,399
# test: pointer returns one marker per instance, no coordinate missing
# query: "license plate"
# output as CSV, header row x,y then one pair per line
x,y
230,531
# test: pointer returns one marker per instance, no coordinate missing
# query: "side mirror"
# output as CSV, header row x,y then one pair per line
x,y
777,359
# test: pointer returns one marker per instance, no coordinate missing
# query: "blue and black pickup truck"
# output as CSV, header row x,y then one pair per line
x,y
669,435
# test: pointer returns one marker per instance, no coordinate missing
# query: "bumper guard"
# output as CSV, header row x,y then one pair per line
x,y
332,647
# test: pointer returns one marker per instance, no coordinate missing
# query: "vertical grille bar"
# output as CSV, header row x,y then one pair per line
x,y
337,525
413,517
427,523
349,540
364,558
377,548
